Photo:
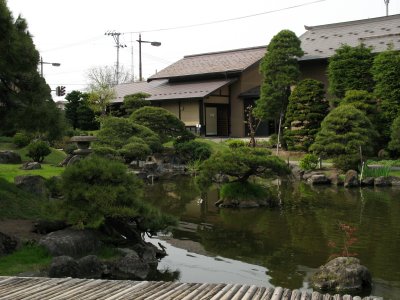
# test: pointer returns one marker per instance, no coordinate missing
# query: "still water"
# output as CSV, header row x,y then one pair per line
x,y
280,246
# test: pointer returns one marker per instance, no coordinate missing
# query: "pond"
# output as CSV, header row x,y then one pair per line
x,y
283,245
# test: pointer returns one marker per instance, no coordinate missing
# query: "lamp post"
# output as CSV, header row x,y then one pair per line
x,y
140,41
41,62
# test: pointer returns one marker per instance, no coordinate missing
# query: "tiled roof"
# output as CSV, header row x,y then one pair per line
x,y
163,90
211,63
321,41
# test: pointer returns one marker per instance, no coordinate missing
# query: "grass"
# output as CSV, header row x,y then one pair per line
x,y
28,258
215,146
18,204
9,171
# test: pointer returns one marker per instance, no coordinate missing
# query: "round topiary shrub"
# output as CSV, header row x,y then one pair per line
x,y
135,150
21,139
193,150
309,162
38,150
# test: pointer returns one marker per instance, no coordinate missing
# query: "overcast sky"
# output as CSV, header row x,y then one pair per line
x,y
71,32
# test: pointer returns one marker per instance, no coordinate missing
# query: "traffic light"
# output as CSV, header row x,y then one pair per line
x,y
60,90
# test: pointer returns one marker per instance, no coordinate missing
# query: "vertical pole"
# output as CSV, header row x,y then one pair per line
x,y
387,7
41,66
132,66
117,73
140,57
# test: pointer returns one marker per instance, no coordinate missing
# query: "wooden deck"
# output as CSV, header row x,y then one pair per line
x,y
34,288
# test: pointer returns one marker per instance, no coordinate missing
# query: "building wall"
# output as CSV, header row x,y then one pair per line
x,y
249,79
190,113
315,69
171,106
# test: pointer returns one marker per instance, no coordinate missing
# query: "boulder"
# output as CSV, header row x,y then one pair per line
x,y
150,167
297,172
318,179
382,181
72,242
63,266
90,266
248,204
8,244
44,226
32,183
9,157
395,181
31,165
130,266
368,181
335,179
351,179
342,274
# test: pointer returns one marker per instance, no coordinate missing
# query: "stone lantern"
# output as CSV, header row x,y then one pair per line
x,y
83,143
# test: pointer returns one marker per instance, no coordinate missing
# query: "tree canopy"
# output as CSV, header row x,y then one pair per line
x,y
280,70
343,132
350,69
25,98
306,109
78,112
160,120
135,101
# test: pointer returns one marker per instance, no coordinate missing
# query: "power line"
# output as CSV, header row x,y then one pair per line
x,y
227,20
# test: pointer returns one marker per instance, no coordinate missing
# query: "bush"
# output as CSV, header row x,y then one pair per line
x,y
236,143
193,150
38,150
21,139
97,189
135,150
69,148
104,151
309,162
394,144
244,191
272,141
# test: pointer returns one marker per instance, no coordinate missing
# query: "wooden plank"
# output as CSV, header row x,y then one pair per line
x,y
337,297
183,294
162,291
327,297
222,292
54,287
258,294
305,295
268,294
26,287
231,292
151,290
316,296
286,294
347,297
277,293
250,293
124,293
296,295
241,292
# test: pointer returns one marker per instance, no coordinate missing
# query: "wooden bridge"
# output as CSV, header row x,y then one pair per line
x,y
42,288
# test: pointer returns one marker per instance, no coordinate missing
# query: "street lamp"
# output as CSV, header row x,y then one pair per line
x,y
47,63
140,41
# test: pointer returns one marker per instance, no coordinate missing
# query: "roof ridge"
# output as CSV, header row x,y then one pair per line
x,y
225,51
348,23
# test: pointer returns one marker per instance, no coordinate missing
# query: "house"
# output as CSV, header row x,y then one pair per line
x,y
209,92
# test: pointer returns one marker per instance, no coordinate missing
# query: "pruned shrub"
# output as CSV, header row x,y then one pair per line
x,y
38,150
236,143
244,191
105,151
192,150
135,150
309,162
21,139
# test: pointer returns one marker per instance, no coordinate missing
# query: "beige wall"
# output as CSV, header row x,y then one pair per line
x,y
172,107
250,78
315,69
190,113
217,99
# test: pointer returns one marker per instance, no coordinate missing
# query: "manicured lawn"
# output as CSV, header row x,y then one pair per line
x,y
29,258
215,146
9,171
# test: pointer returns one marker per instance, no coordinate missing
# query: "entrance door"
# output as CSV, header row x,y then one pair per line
x,y
211,120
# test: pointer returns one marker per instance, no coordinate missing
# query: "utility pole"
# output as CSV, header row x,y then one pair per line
x,y
116,35
387,7
41,62
140,41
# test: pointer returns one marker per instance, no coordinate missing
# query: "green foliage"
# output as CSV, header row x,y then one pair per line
x,y
363,101
105,151
70,148
9,171
116,132
29,258
21,139
306,109
192,150
135,150
96,188
244,191
38,150
241,163
309,162
350,69
135,101
376,171
394,144
344,130
280,70
236,143
160,120
386,72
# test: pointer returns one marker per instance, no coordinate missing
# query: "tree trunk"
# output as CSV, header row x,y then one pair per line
x,y
279,133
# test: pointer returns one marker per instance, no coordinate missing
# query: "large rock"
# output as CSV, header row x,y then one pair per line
x,y
351,179
32,183
395,181
31,165
382,181
72,242
90,267
368,181
342,274
131,266
8,244
63,266
318,179
9,157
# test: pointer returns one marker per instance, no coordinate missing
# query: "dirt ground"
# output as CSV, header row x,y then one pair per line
x,y
19,228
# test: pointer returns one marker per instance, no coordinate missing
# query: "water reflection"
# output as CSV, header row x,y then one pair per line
x,y
291,239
